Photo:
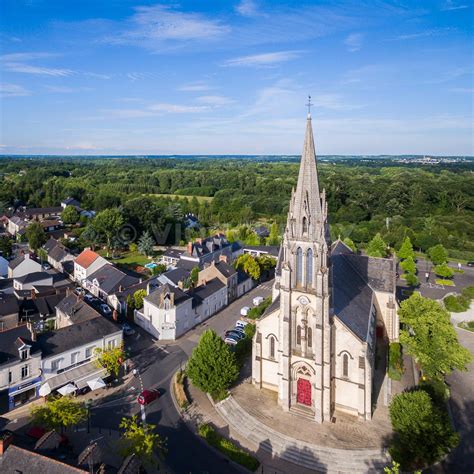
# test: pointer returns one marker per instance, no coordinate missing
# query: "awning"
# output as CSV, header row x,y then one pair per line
x,y
96,383
44,390
79,376
67,389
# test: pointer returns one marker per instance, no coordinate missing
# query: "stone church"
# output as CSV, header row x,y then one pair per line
x,y
315,344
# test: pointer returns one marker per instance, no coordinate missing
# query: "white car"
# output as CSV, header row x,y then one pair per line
x,y
257,300
241,324
244,311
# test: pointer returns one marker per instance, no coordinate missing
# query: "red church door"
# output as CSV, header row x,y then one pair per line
x,y
303,392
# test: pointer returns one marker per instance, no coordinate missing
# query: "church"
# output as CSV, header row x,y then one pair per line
x,y
315,345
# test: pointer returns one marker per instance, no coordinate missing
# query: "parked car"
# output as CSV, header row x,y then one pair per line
x,y
241,324
147,396
231,341
235,334
470,263
89,298
244,311
46,266
257,300
80,291
127,329
106,311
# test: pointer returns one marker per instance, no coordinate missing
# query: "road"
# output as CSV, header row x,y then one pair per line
x,y
156,363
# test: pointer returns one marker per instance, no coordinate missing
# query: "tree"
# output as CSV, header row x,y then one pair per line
x,y
91,236
438,254
350,243
249,265
376,247
212,366
274,236
70,215
444,270
35,235
423,433
266,263
409,265
5,246
107,223
411,279
194,275
58,413
111,359
159,269
429,336
141,440
406,250
146,243
138,298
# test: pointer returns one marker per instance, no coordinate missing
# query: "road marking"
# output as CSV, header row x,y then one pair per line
x,y
142,409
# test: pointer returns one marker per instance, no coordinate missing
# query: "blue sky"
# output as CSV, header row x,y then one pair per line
x,y
232,77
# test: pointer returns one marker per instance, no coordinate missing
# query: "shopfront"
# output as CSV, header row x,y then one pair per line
x,y
23,393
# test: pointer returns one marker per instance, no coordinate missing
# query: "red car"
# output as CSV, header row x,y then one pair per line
x,y
147,396
37,432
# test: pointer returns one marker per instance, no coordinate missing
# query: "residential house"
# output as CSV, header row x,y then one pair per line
x,y
40,308
262,231
9,311
31,280
208,299
86,264
3,267
178,277
20,367
40,213
72,310
58,254
68,353
6,286
259,250
244,283
50,225
224,272
17,225
71,202
22,265
203,251
191,221
171,257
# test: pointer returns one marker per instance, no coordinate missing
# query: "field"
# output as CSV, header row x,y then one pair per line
x,y
200,199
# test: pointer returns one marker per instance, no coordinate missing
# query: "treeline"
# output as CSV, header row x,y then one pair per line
x,y
429,204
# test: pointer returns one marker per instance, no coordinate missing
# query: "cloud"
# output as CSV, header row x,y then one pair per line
x,y
177,109
216,100
265,59
246,8
13,90
450,5
66,90
354,42
333,102
26,56
195,87
43,71
424,34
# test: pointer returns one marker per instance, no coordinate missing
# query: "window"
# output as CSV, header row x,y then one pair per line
x,y
55,365
24,372
111,344
345,365
305,225
298,335
299,266
74,357
310,337
24,354
10,377
309,267
272,348
89,352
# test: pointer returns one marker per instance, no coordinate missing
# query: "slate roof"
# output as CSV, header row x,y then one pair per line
x,y
76,309
8,346
34,276
275,304
16,459
174,253
34,211
6,283
18,260
76,335
50,244
8,305
43,305
177,275
110,279
86,258
58,253
201,292
272,250
226,269
241,276
71,202
209,245
187,264
179,295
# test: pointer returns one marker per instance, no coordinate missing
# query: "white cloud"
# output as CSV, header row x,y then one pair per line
x,y
450,5
26,56
195,87
13,90
43,71
265,59
66,90
216,100
333,102
177,109
354,42
424,34
247,8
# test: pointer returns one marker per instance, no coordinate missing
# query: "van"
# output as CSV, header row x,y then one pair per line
x,y
257,300
244,311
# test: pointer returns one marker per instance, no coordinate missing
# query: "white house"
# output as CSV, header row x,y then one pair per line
x,y
22,265
68,353
31,280
3,267
86,264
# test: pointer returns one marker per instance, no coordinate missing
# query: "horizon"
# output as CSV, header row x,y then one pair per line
x,y
149,78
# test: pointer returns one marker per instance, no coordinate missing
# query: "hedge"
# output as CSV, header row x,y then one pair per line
x,y
456,304
395,361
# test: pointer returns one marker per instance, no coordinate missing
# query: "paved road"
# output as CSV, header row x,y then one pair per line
x,y
156,363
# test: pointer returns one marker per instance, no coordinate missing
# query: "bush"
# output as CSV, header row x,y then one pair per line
x,y
456,304
179,391
411,279
244,346
444,271
438,254
395,361
469,325
256,312
408,265
227,447
468,292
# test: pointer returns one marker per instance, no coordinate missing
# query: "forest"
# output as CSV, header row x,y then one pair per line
x,y
430,204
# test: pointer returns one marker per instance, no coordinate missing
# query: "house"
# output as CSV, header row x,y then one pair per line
x,y
9,311
205,250
178,277
16,225
6,286
30,280
68,353
50,225
260,250
191,221
72,310
20,367
118,300
171,256
71,202
208,299
262,231
22,265
86,264
244,283
222,271
3,267
40,308
58,254
40,213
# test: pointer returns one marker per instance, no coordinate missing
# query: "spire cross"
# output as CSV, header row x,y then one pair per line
x,y
309,104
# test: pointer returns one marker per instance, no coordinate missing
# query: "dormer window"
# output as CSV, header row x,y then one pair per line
x,y
24,354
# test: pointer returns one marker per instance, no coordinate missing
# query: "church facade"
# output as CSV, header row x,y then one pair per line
x,y
315,344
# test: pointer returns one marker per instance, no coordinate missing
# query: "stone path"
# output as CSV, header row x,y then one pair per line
x,y
317,458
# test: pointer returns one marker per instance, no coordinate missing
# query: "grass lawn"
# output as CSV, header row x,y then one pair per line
x,y
445,282
127,258
199,198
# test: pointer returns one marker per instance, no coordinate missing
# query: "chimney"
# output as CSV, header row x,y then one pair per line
x,y
190,248
68,291
223,258
6,439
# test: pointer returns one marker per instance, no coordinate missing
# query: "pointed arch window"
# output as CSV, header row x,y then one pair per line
x,y
299,266
345,365
309,267
298,335
305,225
272,348
310,337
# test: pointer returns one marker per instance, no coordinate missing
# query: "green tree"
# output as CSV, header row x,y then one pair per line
x,y
266,263
146,243
274,236
212,366
159,269
409,265
35,235
107,223
411,279
140,439
429,336
138,298
111,359
59,412
70,215
376,247
406,250
249,265
90,236
350,243
423,433
444,270
438,254
194,275
5,246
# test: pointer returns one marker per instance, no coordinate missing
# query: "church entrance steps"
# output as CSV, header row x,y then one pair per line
x,y
302,411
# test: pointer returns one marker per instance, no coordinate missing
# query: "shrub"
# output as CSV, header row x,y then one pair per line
x,y
411,279
468,292
179,391
256,312
456,304
444,271
408,265
227,447
395,361
438,254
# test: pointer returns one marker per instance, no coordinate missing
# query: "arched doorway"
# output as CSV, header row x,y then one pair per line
x,y
303,391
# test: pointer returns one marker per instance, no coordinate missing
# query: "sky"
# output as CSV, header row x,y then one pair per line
x,y
233,77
